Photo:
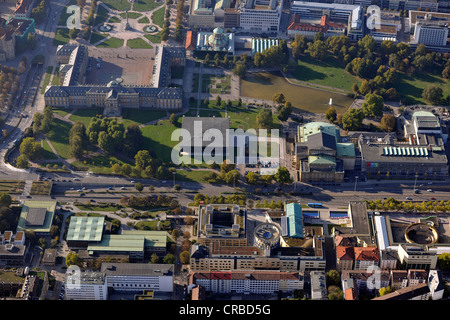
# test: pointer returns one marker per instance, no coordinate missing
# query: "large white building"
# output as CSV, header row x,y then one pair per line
x,y
429,28
136,277
260,15
350,14
86,286
246,282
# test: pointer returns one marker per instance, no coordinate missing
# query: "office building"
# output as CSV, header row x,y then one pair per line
x,y
429,28
260,15
86,286
132,277
247,282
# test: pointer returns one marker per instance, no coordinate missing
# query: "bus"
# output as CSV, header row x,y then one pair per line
x,y
314,205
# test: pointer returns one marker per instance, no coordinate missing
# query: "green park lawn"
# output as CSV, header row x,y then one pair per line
x,y
99,164
154,38
64,15
48,152
158,139
145,5
47,76
101,16
61,111
85,115
144,20
96,37
131,15
412,87
191,175
158,17
61,36
139,116
138,43
330,73
59,137
119,5
114,19
111,43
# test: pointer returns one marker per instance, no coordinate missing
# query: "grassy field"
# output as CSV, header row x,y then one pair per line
x,y
131,15
96,37
412,87
48,152
61,36
111,43
145,5
144,20
47,76
61,111
12,186
158,17
85,115
59,137
114,19
101,16
192,175
119,5
100,164
140,116
329,73
154,38
158,139
138,43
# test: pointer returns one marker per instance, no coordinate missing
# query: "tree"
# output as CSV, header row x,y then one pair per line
x,y
173,119
105,142
5,199
279,98
333,278
72,258
331,114
433,94
285,111
365,87
318,50
367,43
388,122
31,41
73,33
240,69
169,259
231,177
298,46
282,176
384,290
446,73
77,140
142,159
139,187
133,140
373,105
335,293
252,178
391,94
319,36
264,119
352,120
154,258
178,33
31,149
22,162
184,257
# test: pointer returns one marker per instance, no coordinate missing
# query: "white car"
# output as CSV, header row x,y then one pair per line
x,y
429,190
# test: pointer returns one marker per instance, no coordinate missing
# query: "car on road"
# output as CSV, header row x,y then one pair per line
x,y
408,198
432,198
429,190
110,188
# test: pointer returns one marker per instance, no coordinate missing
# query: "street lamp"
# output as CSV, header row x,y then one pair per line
x,y
415,182
356,180
174,173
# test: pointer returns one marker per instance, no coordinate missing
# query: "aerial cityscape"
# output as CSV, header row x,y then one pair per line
x,y
224,150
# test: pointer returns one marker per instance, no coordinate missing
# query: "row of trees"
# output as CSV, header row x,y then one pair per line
x,y
391,204
39,12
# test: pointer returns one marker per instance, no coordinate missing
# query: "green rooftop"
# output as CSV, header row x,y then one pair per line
x,y
316,127
37,216
119,243
345,149
322,160
85,229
